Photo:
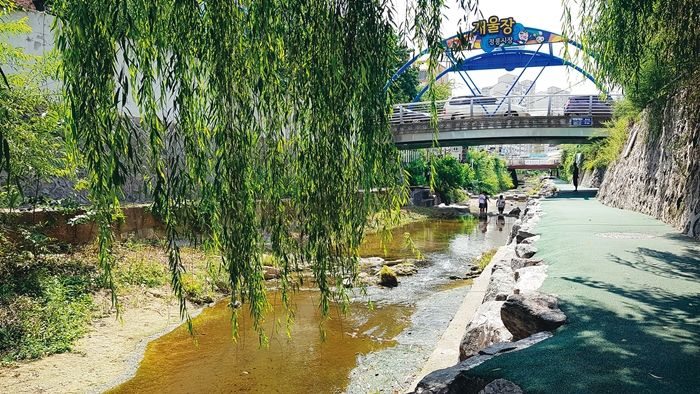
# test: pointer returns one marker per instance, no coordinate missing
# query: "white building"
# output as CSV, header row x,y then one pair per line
x,y
551,101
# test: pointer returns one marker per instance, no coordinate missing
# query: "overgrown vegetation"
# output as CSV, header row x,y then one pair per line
x,y
484,171
482,261
647,47
602,153
48,290
32,144
45,296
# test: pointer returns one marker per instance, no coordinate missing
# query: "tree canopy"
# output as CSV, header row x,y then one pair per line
x,y
264,125
648,47
32,147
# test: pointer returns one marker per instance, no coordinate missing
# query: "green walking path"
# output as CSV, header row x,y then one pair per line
x,y
632,301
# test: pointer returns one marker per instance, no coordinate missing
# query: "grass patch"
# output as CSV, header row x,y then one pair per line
x,y
485,258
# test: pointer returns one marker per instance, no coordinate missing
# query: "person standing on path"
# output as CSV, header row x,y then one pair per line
x,y
501,204
575,177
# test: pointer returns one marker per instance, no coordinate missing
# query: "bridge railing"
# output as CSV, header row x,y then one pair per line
x,y
519,161
462,107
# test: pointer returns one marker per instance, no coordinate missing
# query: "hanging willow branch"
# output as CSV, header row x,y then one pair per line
x,y
265,125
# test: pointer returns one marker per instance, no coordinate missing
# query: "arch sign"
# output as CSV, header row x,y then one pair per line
x,y
494,32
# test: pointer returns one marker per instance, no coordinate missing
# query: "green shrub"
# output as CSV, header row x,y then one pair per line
x,y
416,172
44,307
457,195
141,272
195,290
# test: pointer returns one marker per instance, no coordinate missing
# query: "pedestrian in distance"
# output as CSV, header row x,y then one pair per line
x,y
483,203
575,177
501,204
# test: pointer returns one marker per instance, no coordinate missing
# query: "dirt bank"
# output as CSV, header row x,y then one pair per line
x,y
108,354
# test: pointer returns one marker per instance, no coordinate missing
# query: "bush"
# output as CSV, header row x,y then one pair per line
x,y
449,176
45,298
416,172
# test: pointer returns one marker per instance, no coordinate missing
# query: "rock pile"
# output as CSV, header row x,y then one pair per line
x,y
513,315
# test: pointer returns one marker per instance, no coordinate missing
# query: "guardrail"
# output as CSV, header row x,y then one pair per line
x,y
513,161
464,107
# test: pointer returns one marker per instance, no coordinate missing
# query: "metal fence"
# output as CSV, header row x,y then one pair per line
x,y
463,107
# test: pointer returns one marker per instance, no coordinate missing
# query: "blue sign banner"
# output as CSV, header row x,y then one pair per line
x,y
581,121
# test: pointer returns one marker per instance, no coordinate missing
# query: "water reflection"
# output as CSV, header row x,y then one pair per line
x,y
428,236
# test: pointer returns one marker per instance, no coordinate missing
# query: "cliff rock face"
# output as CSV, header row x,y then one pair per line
x,y
593,178
659,171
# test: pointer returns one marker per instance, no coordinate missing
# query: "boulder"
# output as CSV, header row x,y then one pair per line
x,y
525,251
530,240
501,386
522,235
530,312
501,284
529,278
457,380
366,279
370,261
514,212
271,272
514,230
451,381
516,263
485,329
405,269
387,277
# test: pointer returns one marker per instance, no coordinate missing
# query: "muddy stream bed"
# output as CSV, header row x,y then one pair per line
x,y
368,351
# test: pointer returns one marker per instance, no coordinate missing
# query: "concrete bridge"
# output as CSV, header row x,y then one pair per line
x,y
477,124
520,130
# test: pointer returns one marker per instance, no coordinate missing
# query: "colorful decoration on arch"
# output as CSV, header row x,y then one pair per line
x,y
494,32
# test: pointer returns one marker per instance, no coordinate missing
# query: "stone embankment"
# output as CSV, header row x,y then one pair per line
x,y
513,314
658,172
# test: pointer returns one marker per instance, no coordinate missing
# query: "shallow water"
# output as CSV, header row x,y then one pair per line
x,y
367,351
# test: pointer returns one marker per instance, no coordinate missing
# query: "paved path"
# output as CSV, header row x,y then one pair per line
x,y
630,286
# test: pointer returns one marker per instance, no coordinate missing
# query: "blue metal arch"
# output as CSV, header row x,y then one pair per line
x,y
515,55
512,58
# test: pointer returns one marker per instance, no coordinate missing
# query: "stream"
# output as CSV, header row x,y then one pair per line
x,y
369,350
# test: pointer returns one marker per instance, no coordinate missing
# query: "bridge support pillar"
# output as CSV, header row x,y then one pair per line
x,y
514,177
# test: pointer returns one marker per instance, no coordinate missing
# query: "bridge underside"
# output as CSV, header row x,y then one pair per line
x,y
490,131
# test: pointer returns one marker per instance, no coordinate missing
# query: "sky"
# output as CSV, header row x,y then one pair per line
x,y
541,14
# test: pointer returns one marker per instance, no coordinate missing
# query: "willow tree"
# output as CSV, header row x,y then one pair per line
x,y
263,125
647,47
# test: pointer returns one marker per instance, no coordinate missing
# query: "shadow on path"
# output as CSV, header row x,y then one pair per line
x,y
685,264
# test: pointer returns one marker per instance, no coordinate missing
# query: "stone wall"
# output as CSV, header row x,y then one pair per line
x,y
593,178
138,222
659,171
